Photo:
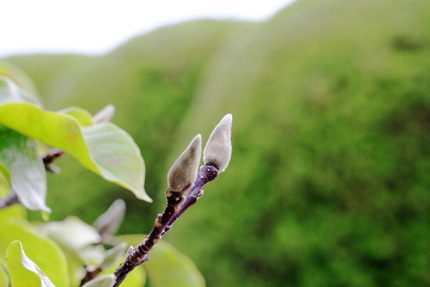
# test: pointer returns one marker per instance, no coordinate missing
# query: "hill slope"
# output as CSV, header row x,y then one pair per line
x,y
328,184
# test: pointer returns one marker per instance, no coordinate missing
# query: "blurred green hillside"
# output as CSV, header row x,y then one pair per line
x,y
329,184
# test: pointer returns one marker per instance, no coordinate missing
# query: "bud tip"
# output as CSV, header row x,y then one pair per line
x,y
218,148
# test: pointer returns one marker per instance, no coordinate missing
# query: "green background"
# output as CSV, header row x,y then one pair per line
x,y
329,183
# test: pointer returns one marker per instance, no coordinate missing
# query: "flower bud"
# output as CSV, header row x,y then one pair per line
x,y
218,148
183,172
105,114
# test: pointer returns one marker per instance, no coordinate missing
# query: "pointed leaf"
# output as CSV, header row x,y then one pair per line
x,y
4,279
108,223
170,268
9,92
112,255
84,117
72,232
19,155
23,271
18,76
103,148
4,180
75,269
104,115
117,156
14,214
44,252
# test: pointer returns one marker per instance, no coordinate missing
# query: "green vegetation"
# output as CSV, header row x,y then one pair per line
x,y
71,252
329,182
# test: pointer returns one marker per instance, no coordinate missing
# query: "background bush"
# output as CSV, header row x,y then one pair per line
x,y
329,184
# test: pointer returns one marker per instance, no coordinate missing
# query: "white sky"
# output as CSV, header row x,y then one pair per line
x,y
96,26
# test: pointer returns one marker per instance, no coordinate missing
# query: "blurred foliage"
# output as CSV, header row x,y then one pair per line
x,y
69,251
329,184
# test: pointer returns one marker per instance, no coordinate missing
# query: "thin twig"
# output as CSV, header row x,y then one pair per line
x,y
9,199
49,158
12,198
163,223
90,275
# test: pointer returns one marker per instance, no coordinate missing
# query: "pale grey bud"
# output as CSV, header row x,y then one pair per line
x,y
105,114
109,222
218,148
183,172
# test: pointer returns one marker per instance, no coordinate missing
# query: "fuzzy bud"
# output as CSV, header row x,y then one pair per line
x,y
218,148
105,114
183,172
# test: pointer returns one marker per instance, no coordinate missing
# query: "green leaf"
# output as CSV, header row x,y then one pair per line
x,y
167,266
102,148
4,279
19,155
13,214
101,281
84,117
75,266
104,115
9,92
18,76
108,223
44,252
23,271
4,180
117,156
72,233
112,255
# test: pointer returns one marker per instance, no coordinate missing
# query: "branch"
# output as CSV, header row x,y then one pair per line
x,y
209,172
9,199
12,198
180,178
90,275
49,158
163,223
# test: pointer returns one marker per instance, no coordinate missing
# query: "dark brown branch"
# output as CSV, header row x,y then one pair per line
x,y
49,158
9,199
90,275
163,223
